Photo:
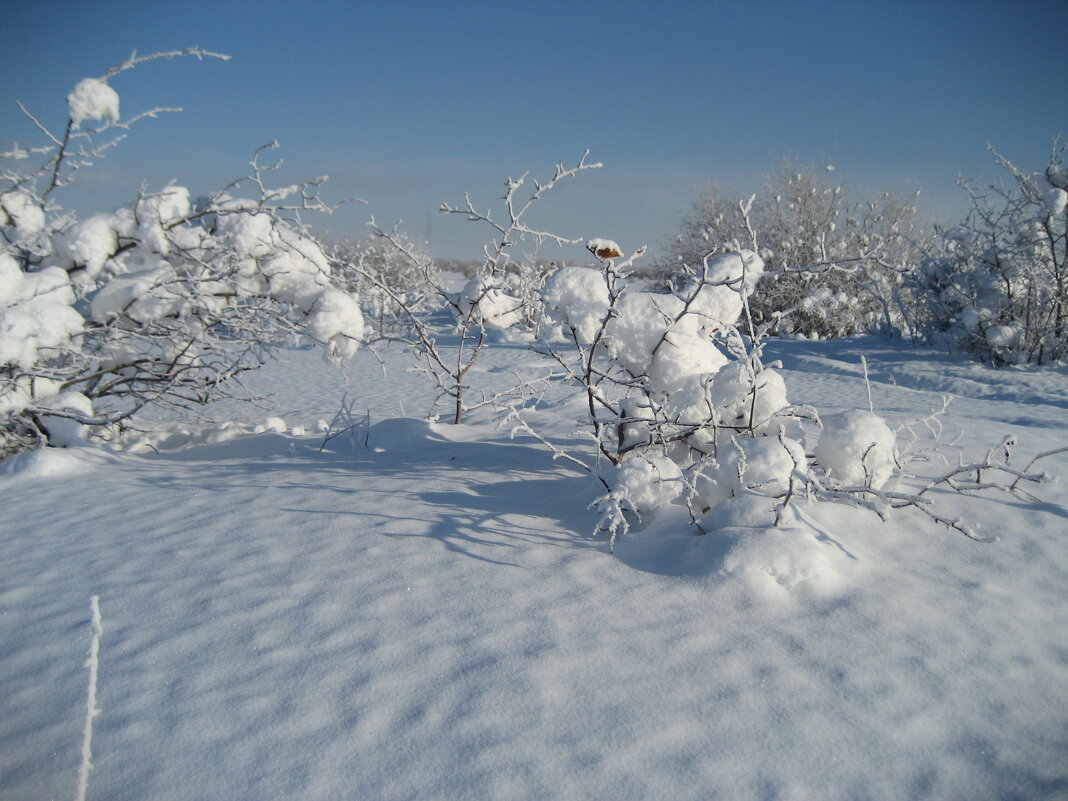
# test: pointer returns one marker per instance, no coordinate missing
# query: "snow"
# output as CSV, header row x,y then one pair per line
x,y
640,323
249,234
90,243
35,312
140,295
1002,336
576,297
749,402
856,448
1056,201
65,430
157,210
764,465
92,99
418,610
336,319
648,482
489,305
19,208
604,248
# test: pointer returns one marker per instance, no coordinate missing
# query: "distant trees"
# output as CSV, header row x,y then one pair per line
x,y
392,275
998,285
834,264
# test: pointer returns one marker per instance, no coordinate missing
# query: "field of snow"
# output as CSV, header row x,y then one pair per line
x,y
421,611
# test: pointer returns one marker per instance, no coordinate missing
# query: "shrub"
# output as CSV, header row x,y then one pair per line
x,y
999,287
164,301
834,265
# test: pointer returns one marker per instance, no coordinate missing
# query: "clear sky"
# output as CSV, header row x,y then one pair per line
x,y
410,104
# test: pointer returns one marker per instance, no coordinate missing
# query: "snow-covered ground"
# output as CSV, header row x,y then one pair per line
x,y
421,611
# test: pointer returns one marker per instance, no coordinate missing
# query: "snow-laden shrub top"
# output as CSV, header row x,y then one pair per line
x,y
765,465
664,337
92,99
487,304
160,301
36,315
856,448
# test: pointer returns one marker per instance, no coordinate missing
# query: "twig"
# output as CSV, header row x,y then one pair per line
x,y
91,710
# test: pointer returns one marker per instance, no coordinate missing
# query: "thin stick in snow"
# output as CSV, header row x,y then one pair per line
x,y
90,708
867,383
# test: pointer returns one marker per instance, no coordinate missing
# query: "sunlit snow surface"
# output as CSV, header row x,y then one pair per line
x,y
421,612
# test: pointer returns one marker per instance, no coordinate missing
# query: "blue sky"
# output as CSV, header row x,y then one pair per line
x,y
410,104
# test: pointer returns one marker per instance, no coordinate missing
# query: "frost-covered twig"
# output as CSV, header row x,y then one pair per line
x,y
519,426
91,710
1045,454
867,382
134,60
345,422
615,506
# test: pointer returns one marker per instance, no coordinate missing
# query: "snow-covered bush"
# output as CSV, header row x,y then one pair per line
x,y
835,266
999,288
658,362
683,410
162,301
669,379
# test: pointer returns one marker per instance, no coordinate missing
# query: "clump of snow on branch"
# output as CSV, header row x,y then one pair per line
x,y
64,416
764,465
19,208
604,248
36,315
336,320
487,304
92,99
749,400
856,448
576,298
648,482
